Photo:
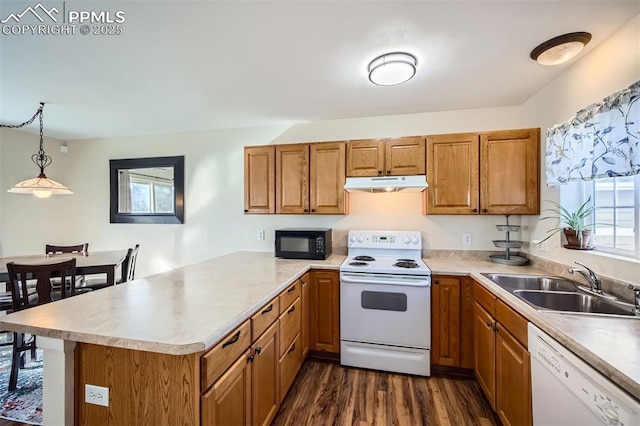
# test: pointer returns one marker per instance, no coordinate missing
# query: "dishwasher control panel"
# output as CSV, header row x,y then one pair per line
x,y
584,382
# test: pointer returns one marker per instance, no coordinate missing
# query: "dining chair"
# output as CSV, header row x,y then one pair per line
x,y
77,248
128,271
21,298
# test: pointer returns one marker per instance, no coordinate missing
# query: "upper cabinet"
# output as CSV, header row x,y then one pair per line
x,y
386,157
310,178
484,173
259,179
292,178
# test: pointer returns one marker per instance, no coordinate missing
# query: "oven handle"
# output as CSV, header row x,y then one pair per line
x,y
374,279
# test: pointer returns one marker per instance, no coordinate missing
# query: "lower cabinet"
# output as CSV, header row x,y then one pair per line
x,y
501,358
324,307
265,375
452,321
305,328
228,401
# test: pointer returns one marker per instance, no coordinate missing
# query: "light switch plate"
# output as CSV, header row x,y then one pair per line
x,y
466,239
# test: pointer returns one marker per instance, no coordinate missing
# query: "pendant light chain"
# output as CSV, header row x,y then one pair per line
x,y
41,159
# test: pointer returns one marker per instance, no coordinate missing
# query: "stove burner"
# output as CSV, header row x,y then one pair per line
x,y
358,264
406,264
364,258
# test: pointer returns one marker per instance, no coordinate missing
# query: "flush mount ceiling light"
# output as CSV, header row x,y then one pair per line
x,y
560,49
392,68
41,186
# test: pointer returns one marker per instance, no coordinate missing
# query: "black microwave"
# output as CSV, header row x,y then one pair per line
x,y
303,243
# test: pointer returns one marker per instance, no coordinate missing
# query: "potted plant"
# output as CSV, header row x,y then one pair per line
x,y
577,232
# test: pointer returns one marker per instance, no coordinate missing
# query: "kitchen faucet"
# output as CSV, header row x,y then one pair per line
x,y
590,276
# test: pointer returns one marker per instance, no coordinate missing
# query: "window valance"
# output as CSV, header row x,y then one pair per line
x,y
602,140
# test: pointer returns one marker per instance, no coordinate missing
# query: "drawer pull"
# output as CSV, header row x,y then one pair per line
x,y
303,282
269,309
258,350
293,287
293,308
489,324
293,348
232,340
251,357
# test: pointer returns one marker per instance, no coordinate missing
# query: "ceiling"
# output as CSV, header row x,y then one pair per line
x,y
182,66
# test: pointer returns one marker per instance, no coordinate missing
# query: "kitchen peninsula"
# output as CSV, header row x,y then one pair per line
x,y
151,334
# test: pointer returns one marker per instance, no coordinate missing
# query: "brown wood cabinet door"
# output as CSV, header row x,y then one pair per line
x,y
485,353
306,319
445,326
466,322
327,171
259,179
513,380
404,156
292,178
510,172
452,174
228,401
325,311
265,391
365,158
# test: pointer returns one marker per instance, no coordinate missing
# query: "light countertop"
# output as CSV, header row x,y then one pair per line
x,y
189,309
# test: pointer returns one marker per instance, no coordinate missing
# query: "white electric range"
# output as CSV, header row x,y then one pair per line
x,y
385,303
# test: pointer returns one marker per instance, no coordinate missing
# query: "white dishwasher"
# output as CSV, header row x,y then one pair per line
x,y
567,391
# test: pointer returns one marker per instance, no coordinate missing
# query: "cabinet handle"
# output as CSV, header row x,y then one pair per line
x,y
313,210
246,211
489,324
232,340
258,350
388,172
475,210
379,172
269,309
293,287
251,357
303,282
485,210
436,281
306,210
293,348
293,308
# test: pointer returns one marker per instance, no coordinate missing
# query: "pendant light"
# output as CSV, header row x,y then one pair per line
x,y
40,186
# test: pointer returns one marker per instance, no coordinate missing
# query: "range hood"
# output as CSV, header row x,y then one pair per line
x,y
386,184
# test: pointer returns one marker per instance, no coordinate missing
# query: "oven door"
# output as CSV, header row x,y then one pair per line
x,y
386,309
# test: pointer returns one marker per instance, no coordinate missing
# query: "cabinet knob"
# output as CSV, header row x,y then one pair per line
x,y
379,172
475,210
258,350
388,172
485,210
436,281
251,358
305,210
313,210
489,324
246,211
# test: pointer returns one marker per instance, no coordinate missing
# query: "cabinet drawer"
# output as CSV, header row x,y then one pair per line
x,y
221,356
289,325
484,298
289,366
512,321
264,318
289,295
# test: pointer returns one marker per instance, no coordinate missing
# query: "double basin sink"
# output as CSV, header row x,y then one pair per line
x,y
556,294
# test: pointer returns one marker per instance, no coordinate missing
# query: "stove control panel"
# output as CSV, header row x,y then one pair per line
x,y
386,239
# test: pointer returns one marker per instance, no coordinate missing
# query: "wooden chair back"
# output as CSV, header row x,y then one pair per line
x,y
129,264
79,248
20,274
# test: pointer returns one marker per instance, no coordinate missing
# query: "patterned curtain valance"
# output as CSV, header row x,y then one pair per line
x,y
602,140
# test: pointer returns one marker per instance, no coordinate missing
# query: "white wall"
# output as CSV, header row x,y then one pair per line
x,y
215,223
613,66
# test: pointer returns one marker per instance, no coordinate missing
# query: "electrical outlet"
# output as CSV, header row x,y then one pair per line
x,y
543,247
261,235
97,395
466,239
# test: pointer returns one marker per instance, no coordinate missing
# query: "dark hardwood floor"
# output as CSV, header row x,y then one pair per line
x,y
4,422
329,394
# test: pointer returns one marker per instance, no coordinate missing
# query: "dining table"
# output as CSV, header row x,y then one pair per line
x,y
98,262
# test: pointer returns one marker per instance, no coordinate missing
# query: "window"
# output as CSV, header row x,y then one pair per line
x,y
617,214
149,194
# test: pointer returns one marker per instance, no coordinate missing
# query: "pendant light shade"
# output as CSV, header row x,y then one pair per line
x,y
41,186
391,69
560,49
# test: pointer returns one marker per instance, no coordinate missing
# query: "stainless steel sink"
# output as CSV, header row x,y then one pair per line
x,y
571,302
514,282
549,293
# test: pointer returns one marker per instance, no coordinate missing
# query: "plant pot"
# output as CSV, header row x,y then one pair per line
x,y
573,242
